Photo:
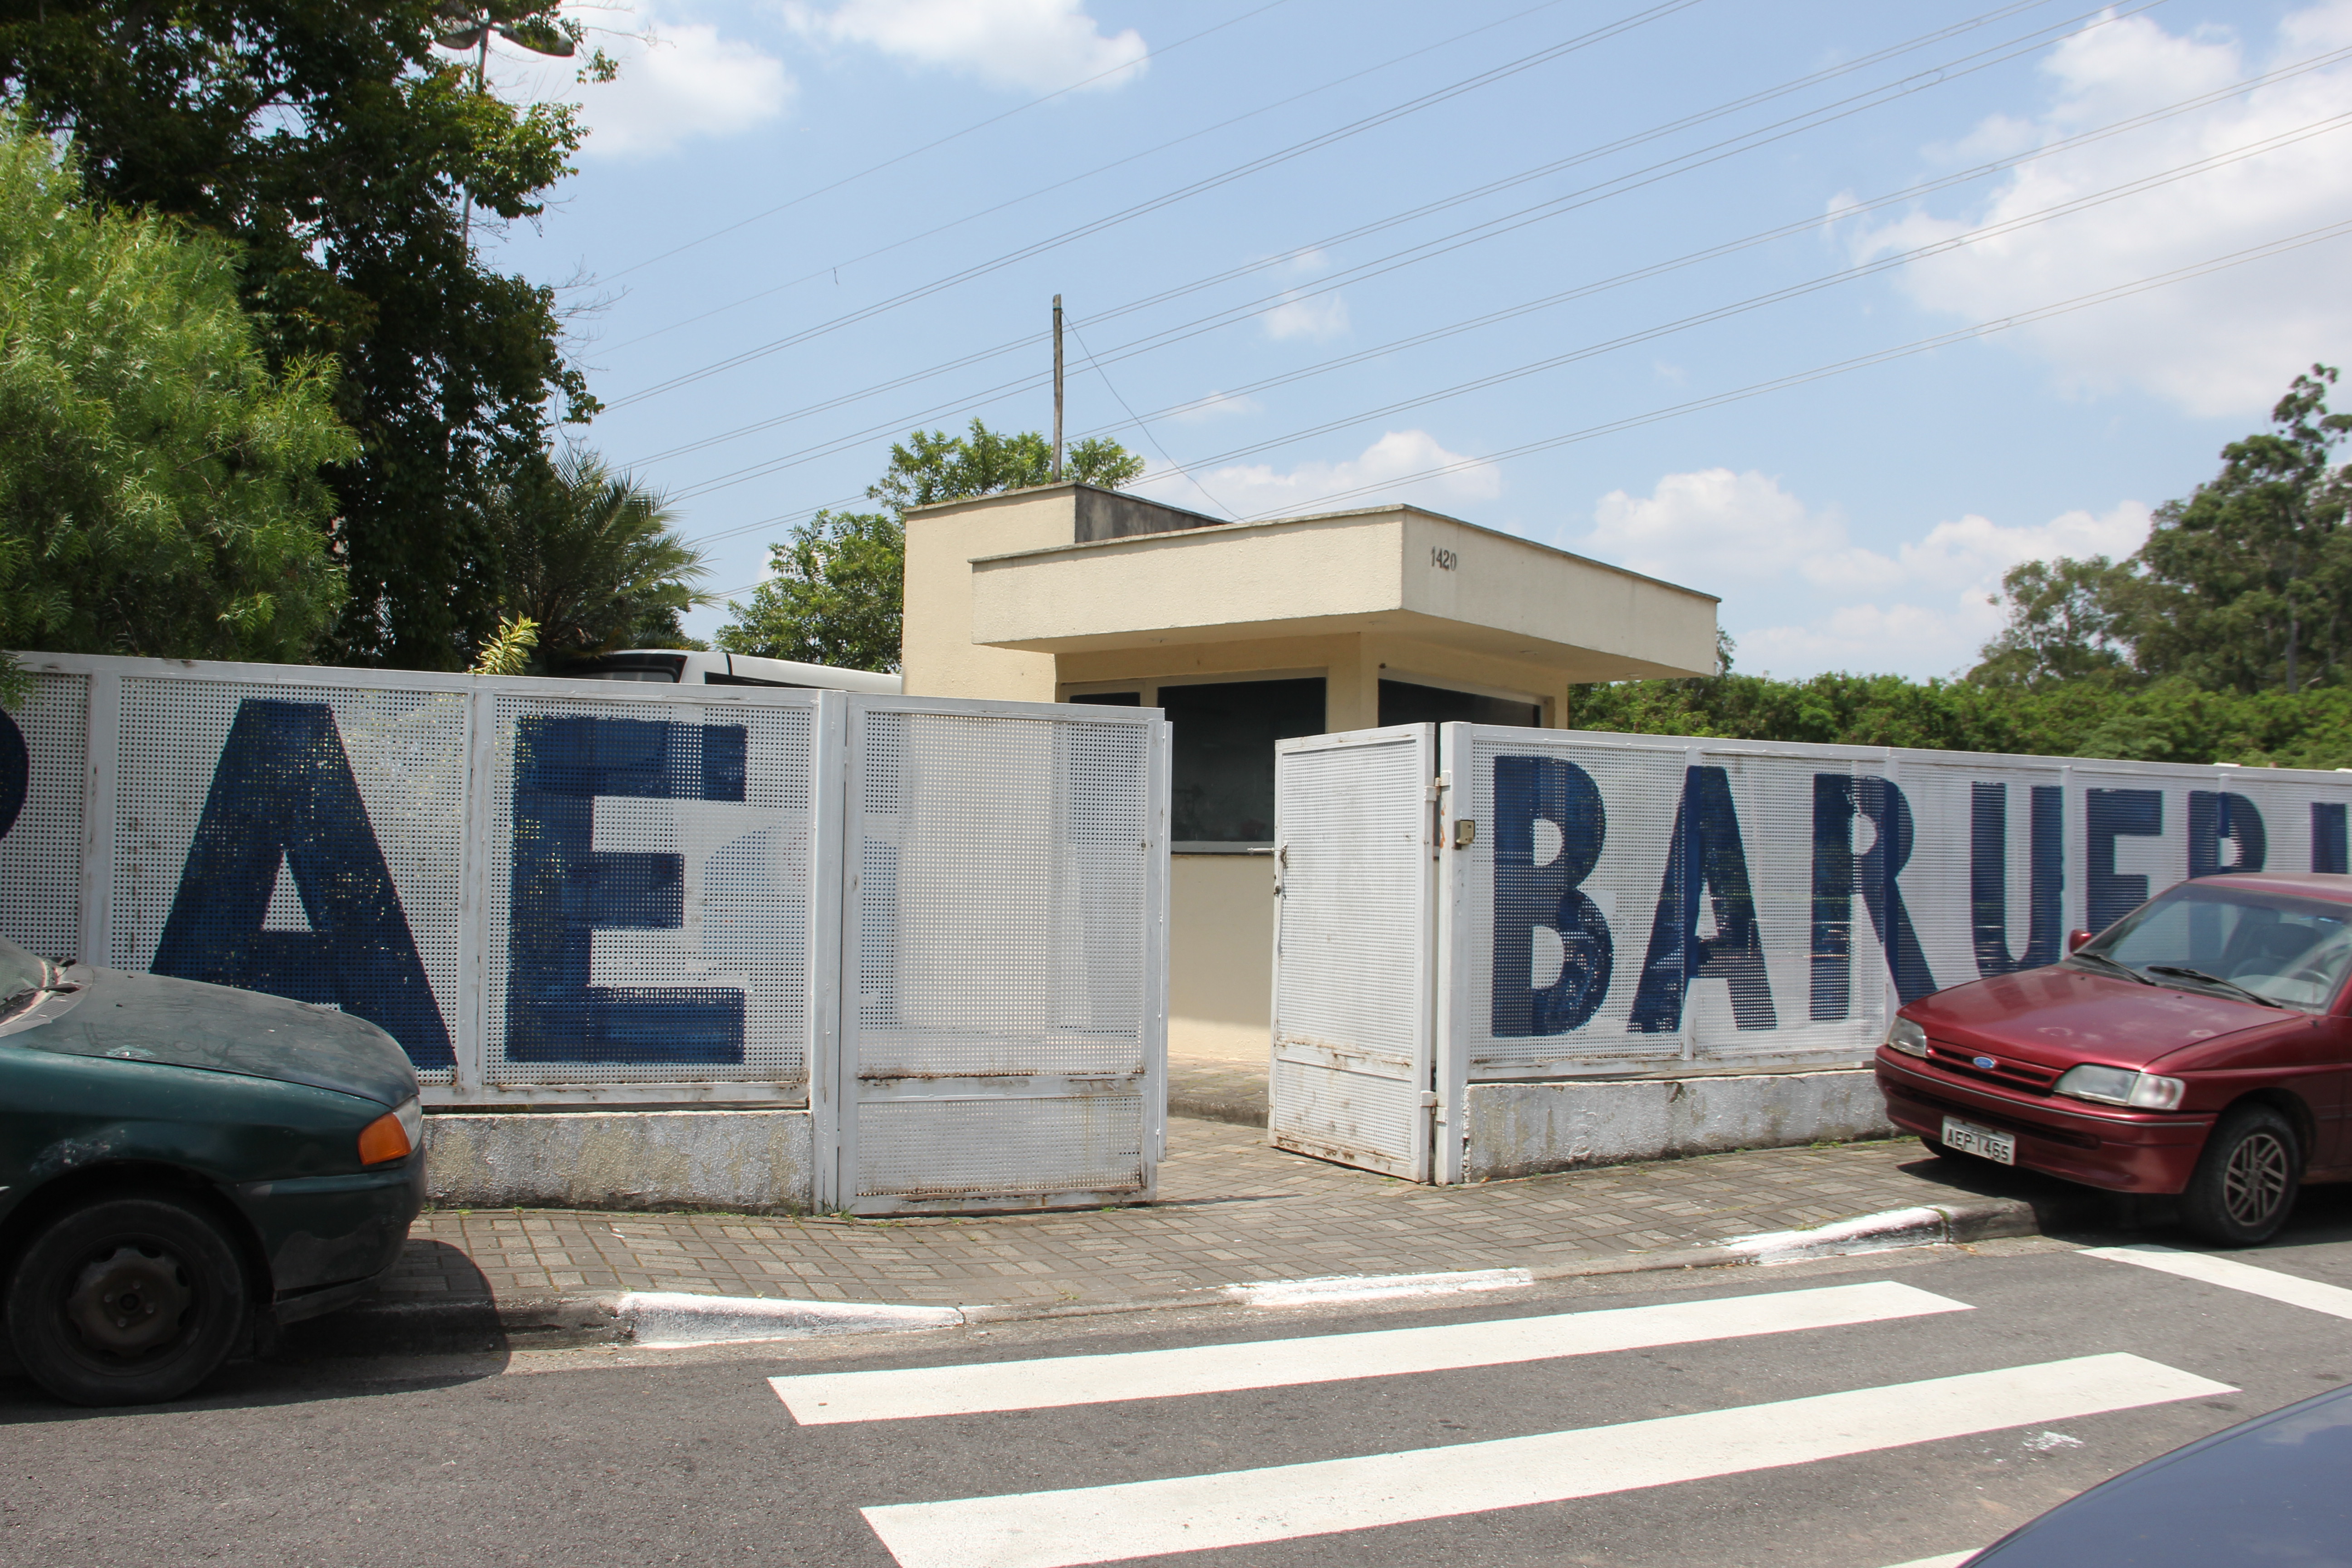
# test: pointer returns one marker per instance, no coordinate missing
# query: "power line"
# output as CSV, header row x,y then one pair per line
x,y
1950,70
951,136
1716,252
1190,477
1840,367
835,268
1860,361
1297,150
2006,227
1813,285
1411,256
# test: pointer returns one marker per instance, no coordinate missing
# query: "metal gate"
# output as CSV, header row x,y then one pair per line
x,y
1003,1008
1352,1073
941,922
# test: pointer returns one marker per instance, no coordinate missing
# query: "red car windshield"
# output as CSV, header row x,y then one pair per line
x,y
2294,952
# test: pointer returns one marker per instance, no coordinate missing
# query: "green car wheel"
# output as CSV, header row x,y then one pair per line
x,y
127,1299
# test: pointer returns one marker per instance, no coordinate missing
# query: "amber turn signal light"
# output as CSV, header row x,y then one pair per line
x,y
389,1136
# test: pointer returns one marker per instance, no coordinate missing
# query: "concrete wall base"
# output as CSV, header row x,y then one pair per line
x,y
745,1162
1522,1128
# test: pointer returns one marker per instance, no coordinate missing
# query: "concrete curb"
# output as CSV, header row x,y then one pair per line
x,y
1237,1112
668,1320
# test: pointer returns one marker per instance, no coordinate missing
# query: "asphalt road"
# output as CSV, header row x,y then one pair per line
x,y
1854,1413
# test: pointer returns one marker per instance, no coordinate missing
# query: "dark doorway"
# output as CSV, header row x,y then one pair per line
x,y
1405,702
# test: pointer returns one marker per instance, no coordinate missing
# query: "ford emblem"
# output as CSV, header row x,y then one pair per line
x,y
1984,1064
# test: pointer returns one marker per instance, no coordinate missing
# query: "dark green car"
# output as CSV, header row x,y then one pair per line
x,y
183,1168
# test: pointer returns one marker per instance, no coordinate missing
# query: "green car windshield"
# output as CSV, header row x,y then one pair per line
x,y
2294,952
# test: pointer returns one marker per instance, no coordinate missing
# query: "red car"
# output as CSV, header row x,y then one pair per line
x,y
2202,1045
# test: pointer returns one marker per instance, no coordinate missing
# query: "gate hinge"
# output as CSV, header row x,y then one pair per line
x,y
1429,1099
1439,785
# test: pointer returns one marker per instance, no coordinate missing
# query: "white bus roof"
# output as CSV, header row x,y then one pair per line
x,y
665,666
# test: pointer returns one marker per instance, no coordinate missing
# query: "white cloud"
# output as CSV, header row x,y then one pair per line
x,y
1922,609
1032,46
2224,344
1709,526
1247,490
1319,317
680,82
1316,316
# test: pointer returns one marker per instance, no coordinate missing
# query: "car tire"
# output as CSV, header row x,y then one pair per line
x,y
2246,1180
126,1300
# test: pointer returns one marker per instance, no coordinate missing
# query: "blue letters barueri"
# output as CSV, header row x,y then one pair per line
x,y
1706,858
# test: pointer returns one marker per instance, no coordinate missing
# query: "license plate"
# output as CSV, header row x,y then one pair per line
x,y
1968,1137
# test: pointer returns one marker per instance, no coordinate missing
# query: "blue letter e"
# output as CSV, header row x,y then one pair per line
x,y
565,889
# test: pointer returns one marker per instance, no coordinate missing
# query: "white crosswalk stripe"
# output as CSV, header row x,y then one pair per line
x,y
2230,1273
1064,1529
1125,1520
897,1394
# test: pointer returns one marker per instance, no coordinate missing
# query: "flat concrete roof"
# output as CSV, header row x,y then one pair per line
x,y
1401,569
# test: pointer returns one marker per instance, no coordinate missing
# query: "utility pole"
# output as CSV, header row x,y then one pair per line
x,y
1057,389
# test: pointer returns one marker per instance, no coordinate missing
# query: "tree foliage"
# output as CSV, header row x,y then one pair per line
x,y
159,489
2247,581
335,144
835,594
932,466
589,560
2168,721
836,590
2068,620
2245,586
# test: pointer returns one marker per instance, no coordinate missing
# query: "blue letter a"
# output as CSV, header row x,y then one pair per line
x,y
1706,855
282,792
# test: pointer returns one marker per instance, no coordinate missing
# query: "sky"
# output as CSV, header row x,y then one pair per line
x,y
1836,310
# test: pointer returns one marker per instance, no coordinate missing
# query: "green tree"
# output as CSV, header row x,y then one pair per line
x,y
835,594
2168,720
2248,578
2068,620
589,560
159,489
933,466
836,590
338,146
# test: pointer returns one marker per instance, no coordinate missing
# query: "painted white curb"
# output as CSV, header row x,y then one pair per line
x,y
1375,1287
672,1319
1866,1233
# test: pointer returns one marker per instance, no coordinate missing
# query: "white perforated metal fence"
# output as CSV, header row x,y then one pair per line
x,y
1353,1046
1641,905
1004,1011
585,891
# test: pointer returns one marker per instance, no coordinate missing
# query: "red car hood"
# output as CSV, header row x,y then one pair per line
x,y
2060,1015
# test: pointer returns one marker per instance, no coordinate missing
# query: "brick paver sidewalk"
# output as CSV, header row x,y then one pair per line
x,y
1231,1210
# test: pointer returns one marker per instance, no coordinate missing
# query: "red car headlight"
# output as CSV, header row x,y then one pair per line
x,y
1906,1036
2121,1085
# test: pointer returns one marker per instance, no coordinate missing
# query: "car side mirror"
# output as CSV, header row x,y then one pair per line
x,y
2076,939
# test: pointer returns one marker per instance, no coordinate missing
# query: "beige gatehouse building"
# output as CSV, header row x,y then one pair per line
x,y
1247,633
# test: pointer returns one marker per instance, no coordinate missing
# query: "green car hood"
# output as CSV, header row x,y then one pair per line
x,y
186,1023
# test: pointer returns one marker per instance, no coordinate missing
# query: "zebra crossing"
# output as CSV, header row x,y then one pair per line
x,y
1132,1520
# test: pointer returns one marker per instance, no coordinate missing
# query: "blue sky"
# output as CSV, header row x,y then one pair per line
x,y
1338,254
